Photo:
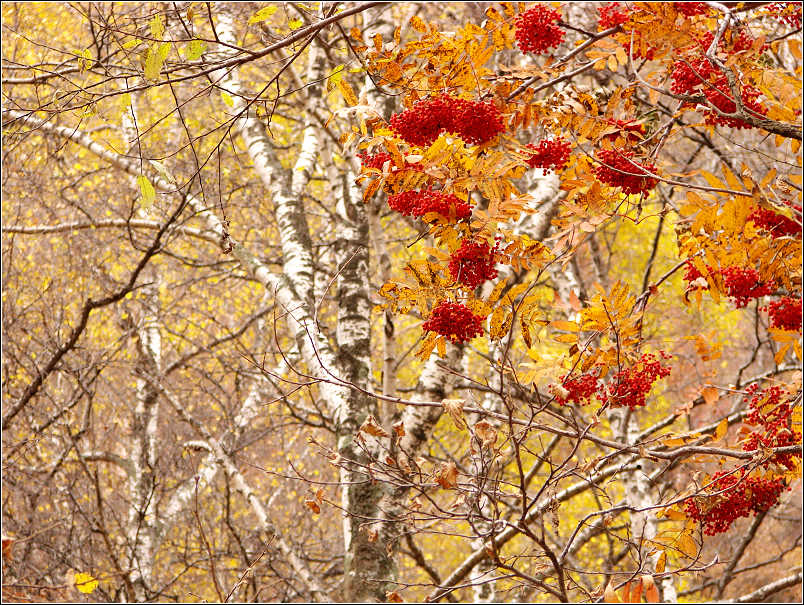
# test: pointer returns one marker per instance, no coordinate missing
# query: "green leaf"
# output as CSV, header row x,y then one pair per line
x,y
85,582
227,98
295,23
195,49
147,191
263,14
157,27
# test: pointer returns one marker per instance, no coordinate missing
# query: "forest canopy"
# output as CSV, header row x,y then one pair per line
x,y
394,301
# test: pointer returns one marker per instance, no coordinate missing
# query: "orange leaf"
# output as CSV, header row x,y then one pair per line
x,y
651,592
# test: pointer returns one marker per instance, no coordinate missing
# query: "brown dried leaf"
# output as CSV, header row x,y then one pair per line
x,y
447,475
372,427
393,597
312,505
454,407
486,433
399,428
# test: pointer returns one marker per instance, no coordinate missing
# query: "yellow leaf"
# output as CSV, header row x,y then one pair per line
x,y
295,23
227,98
661,562
567,326
347,92
721,429
147,191
157,27
263,14
419,25
85,582
609,596
567,338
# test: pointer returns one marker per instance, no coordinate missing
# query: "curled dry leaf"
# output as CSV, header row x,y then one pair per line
x,y
447,475
486,433
312,505
399,428
373,428
454,407
393,597
373,534
8,542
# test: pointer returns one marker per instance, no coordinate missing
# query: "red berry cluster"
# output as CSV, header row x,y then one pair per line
x,y
772,412
621,171
690,9
719,95
743,284
630,387
692,274
537,30
473,121
741,496
549,154
699,75
455,321
473,263
777,224
419,203
374,161
579,389
611,14
785,313
787,12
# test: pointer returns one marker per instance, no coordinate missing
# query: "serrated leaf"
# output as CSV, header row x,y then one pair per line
x,y
147,191
263,14
195,49
157,27
347,92
154,60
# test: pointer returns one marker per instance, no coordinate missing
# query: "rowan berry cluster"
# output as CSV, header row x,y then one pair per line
x,y
690,9
549,154
772,412
473,263
787,12
419,203
578,389
777,224
630,387
698,75
537,30
455,321
374,161
692,274
785,313
473,121
611,14
741,496
617,169
743,284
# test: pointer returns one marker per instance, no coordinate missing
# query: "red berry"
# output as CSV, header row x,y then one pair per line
x,y
777,224
419,203
537,30
787,12
473,121
579,389
630,387
549,154
621,171
473,263
785,314
743,284
610,15
690,9
455,321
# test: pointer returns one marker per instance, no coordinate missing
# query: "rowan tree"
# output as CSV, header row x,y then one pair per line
x,y
367,302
